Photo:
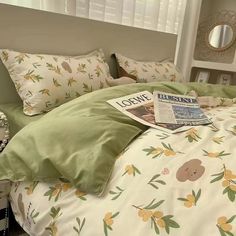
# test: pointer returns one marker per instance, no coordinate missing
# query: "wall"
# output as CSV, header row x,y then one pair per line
x,y
185,55
37,31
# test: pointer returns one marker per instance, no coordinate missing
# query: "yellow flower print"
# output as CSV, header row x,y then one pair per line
x,y
218,140
158,219
228,182
166,150
108,221
131,170
33,77
215,154
56,190
30,189
145,214
157,151
192,135
191,199
228,174
224,226
80,195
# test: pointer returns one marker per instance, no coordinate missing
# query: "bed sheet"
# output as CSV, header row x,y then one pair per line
x,y
15,116
181,184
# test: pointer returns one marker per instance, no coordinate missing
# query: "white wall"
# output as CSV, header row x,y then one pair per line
x,y
185,55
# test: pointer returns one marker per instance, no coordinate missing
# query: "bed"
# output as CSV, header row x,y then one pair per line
x,y
97,172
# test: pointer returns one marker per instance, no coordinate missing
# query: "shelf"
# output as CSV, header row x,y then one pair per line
x,y
214,65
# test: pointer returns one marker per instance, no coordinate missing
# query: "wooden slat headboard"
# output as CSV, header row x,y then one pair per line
x,y
36,31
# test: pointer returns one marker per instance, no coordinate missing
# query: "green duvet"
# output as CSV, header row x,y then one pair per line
x,y
81,139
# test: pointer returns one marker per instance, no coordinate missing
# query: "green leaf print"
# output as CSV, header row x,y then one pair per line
x,y
158,220
56,83
116,193
5,55
228,182
56,68
80,224
166,150
71,81
33,77
52,227
21,57
192,135
81,68
87,89
131,170
154,181
34,215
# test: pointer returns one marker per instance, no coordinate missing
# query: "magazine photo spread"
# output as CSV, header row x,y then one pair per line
x,y
178,109
140,107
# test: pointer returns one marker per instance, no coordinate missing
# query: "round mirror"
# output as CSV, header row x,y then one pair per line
x,y
221,37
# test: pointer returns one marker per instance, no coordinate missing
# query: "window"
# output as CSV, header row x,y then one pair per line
x,y
160,15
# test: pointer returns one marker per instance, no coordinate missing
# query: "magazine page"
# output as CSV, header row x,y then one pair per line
x,y
178,109
140,107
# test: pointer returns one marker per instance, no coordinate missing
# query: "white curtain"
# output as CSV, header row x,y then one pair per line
x,y
58,6
161,15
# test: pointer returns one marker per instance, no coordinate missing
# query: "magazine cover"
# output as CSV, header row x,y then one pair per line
x,y
178,109
140,107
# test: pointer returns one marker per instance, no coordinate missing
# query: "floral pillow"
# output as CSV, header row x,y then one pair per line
x,y
46,81
144,72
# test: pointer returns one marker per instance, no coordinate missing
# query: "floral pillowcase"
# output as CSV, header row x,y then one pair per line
x,y
46,81
144,72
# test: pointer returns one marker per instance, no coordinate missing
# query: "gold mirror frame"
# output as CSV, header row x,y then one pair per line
x,y
228,45
203,50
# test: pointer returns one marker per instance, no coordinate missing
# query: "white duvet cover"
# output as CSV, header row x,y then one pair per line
x,y
181,185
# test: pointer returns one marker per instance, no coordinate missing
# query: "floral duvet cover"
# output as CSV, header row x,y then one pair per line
x,y
180,184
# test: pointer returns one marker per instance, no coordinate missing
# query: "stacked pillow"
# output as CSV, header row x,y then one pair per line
x,y
144,72
46,81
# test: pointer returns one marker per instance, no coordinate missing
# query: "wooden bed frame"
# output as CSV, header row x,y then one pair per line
x,y
35,31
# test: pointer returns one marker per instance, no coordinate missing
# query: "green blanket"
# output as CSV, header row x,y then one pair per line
x,y
81,139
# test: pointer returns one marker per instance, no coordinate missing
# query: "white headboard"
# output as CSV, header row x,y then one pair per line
x,y
36,31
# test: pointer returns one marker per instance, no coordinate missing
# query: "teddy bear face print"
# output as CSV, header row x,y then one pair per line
x,y
191,170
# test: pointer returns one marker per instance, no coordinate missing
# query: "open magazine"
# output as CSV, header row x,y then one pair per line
x,y
140,107
178,109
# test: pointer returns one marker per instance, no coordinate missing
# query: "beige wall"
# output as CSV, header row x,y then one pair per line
x,y
210,7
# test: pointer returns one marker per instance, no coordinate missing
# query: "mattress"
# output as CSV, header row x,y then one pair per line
x,y
16,118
